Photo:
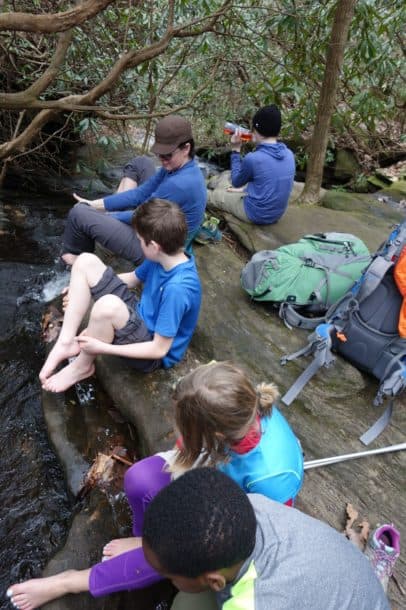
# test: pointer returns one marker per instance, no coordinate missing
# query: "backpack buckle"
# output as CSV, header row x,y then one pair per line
x,y
308,262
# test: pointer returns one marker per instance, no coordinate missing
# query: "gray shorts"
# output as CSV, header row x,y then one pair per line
x,y
135,330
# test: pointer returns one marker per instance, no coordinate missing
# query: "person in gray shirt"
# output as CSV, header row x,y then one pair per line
x,y
204,533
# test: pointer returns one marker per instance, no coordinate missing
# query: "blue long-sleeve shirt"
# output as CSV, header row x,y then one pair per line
x,y
184,186
269,172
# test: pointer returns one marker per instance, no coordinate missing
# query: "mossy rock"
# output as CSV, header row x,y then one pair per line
x,y
397,190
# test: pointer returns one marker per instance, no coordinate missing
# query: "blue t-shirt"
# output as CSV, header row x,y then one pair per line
x,y
274,468
269,172
170,304
184,186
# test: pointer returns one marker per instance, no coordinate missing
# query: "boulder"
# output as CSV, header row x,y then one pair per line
x,y
328,416
346,165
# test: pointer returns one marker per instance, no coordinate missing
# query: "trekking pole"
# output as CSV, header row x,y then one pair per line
x,y
352,456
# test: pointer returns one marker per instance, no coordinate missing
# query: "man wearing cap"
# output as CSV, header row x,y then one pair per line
x,y
179,180
268,173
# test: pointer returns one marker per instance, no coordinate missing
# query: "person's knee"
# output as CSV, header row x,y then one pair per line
x,y
77,212
85,260
108,307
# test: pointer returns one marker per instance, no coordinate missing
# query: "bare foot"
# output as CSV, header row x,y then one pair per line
x,y
34,593
61,351
68,376
120,545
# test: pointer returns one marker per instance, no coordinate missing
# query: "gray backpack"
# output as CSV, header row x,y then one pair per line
x,y
363,328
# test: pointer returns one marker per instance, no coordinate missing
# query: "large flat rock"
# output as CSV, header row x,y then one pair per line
x,y
360,214
328,417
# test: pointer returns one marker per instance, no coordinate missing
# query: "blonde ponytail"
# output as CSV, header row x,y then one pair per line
x,y
268,393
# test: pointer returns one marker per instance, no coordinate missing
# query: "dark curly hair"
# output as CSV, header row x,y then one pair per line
x,y
201,522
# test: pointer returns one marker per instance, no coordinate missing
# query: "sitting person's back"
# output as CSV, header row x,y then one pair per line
x,y
268,173
251,552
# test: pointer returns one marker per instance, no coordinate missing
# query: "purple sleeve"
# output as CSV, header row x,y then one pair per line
x,y
124,572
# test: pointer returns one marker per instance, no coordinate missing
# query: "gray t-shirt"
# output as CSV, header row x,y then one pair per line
x,y
300,563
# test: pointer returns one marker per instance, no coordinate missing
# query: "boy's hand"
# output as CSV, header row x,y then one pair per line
x,y
97,204
91,345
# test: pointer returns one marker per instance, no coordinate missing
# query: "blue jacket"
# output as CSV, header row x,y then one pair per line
x,y
184,186
269,172
274,468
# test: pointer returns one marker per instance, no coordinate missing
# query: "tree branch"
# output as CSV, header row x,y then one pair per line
x,y
131,59
23,98
52,22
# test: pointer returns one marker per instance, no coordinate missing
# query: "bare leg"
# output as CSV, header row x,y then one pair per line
x,y
37,592
86,272
126,184
121,545
108,314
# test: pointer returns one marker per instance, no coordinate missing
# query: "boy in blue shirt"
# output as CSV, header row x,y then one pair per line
x,y
151,332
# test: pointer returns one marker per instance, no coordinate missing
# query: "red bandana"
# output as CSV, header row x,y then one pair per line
x,y
250,440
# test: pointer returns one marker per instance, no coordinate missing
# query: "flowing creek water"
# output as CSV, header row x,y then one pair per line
x,y
36,507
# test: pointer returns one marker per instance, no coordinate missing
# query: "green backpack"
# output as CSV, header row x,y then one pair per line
x,y
309,275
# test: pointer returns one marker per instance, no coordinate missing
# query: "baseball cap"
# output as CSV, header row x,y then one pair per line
x,y
171,131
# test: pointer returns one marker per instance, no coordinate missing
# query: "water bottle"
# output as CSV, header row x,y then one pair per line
x,y
230,128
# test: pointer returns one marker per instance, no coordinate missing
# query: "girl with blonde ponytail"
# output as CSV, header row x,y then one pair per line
x,y
224,422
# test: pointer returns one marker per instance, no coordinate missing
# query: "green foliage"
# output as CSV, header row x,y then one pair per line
x,y
261,52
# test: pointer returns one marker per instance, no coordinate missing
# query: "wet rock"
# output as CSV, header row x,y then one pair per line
x,y
92,527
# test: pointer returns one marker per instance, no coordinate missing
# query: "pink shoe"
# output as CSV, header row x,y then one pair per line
x,y
383,549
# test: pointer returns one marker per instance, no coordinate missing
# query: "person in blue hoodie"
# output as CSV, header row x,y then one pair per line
x,y
268,173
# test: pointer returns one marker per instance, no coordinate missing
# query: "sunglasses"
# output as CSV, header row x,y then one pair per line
x,y
167,156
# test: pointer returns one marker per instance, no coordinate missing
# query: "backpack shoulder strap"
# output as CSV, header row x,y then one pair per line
x,y
293,319
391,386
385,257
373,277
320,346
